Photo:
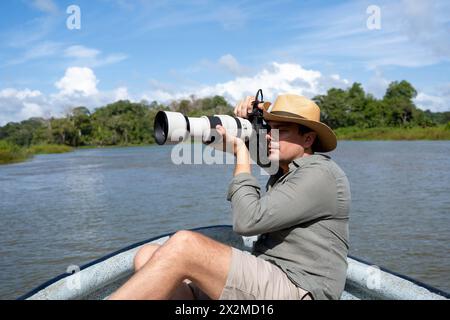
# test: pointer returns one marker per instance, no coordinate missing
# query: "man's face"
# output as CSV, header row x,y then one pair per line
x,y
290,143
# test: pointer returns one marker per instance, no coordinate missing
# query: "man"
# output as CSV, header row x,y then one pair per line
x,y
302,223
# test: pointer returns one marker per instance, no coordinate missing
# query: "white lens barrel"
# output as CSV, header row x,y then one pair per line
x,y
237,127
174,127
177,127
170,127
199,128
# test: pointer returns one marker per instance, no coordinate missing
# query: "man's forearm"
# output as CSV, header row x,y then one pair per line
x,y
242,160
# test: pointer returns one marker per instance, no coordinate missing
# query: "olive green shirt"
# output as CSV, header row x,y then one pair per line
x,y
302,221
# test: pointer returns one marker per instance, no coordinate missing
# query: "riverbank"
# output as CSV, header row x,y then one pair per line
x,y
11,153
391,133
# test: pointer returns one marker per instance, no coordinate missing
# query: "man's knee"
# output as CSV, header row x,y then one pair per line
x,y
184,239
180,246
144,254
185,235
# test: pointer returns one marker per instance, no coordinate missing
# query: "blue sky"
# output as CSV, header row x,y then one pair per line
x,y
164,50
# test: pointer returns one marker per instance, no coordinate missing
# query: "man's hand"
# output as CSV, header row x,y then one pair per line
x,y
229,140
245,106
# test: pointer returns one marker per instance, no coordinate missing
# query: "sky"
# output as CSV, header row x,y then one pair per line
x,y
52,59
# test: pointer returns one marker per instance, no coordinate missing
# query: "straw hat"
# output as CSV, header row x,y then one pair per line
x,y
301,110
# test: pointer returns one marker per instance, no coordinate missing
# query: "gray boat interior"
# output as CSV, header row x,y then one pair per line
x,y
98,279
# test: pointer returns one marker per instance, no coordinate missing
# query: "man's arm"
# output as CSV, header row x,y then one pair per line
x,y
308,195
239,149
242,159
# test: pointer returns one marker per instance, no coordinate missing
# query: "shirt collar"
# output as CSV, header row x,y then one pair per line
x,y
300,162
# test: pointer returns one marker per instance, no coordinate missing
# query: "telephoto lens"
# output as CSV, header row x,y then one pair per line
x,y
174,127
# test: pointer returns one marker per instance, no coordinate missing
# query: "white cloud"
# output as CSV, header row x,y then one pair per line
x,y
121,93
109,59
78,80
227,63
78,87
275,79
413,33
90,57
24,94
425,23
45,5
38,51
159,95
231,64
17,105
435,103
289,77
165,14
31,110
29,33
231,18
377,84
77,55
78,51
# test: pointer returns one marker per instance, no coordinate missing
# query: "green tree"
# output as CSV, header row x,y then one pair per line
x,y
64,132
334,108
399,99
24,133
403,90
125,122
357,104
184,107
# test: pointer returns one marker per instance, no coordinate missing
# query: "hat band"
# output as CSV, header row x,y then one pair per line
x,y
287,114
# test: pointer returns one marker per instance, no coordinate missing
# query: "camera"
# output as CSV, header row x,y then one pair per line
x,y
174,127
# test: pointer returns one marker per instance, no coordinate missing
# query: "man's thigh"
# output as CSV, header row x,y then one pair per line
x,y
252,278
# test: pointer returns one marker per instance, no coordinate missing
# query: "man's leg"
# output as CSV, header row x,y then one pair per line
x,y
144,254
185,255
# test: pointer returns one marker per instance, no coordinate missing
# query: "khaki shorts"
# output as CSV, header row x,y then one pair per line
x,y
252,278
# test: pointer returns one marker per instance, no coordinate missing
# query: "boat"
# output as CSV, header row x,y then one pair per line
x,y
98,279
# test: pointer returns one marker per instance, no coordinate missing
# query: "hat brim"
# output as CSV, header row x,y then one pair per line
x,y
327,140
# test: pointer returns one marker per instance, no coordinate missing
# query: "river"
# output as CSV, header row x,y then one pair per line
x,y
69,209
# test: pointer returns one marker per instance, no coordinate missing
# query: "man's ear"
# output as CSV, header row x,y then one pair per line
x,y
310,137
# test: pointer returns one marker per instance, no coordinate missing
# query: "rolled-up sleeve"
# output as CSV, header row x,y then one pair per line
x,y
307,194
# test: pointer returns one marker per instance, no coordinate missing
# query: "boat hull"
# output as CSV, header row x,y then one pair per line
x,y
98,279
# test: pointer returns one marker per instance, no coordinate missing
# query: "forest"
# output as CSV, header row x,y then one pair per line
x,y
351,112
